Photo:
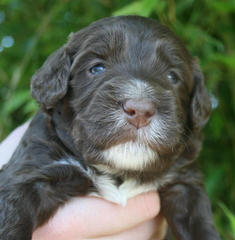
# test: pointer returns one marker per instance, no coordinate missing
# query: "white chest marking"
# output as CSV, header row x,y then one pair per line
x,y
107,187
109,191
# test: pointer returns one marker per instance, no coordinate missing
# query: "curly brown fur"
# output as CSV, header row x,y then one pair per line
x,y
85,139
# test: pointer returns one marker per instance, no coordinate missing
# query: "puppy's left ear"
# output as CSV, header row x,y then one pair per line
x,y
49,84
200,100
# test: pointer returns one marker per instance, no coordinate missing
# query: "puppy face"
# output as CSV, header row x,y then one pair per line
x,y
135,93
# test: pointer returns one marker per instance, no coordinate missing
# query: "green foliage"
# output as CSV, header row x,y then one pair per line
x,y
230,217
141,8
207,28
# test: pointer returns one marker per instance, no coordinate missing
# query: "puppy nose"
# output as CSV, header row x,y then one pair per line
x,y
139,111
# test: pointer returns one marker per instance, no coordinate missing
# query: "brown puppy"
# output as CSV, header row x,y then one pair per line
x,y
122,107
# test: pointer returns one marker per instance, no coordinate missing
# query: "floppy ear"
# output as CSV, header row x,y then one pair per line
x,y
49,84
200,101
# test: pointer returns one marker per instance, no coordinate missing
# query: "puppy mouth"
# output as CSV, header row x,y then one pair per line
x,y
131,134
140,149
120,145
131,150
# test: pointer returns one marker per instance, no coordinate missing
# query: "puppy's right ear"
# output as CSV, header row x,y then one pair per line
x,y
50,83
200,102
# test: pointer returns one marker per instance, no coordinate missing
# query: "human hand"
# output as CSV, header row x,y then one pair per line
x,y
94,218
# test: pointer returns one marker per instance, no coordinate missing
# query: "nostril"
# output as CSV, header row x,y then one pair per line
x,y
149,114
130,112
128,108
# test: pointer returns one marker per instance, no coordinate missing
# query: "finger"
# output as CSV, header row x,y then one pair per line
x,y
91,217
154,229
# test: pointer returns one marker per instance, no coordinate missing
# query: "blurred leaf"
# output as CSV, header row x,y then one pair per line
x,y
223,6
217,126
30,107
230,216
197,35
183,5
228,60
216,176
16,101
142,8
5,1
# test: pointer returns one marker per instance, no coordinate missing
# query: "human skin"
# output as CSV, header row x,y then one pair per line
x,y
95,218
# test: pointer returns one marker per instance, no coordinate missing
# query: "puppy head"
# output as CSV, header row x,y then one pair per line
x,y
134,91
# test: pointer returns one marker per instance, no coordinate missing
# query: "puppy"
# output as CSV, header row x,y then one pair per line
x,y
122,105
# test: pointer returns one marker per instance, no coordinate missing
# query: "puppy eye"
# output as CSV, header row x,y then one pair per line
x,y
97,69
173,77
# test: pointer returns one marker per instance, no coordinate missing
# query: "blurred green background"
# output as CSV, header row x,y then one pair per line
x,y
31,30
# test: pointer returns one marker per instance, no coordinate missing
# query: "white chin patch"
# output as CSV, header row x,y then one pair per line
x,y
130,156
